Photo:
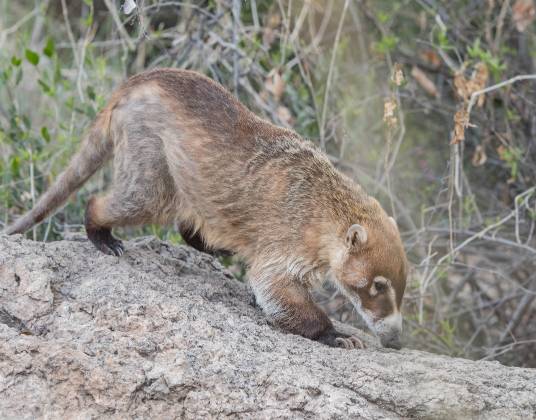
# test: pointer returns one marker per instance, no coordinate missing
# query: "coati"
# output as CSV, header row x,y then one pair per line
x,y
186,151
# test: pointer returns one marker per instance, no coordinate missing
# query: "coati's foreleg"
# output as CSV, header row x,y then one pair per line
x,y
289,304
195,240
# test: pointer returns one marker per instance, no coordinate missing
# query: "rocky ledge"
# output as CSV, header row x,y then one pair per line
x,y
165,332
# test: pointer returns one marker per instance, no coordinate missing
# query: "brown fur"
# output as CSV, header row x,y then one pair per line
x,y
186,151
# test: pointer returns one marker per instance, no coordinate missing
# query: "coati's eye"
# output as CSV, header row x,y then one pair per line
x,y
380,284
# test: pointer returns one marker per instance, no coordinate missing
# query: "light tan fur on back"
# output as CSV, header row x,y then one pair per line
x,y
186,151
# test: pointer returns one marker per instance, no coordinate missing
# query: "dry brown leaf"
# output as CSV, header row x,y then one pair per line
x,y
523,14
479,157
423,80
389,108
479,81
398,75
461,85
461,120
275,84
431,58
465,88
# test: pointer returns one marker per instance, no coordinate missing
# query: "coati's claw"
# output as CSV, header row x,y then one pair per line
x,y
349,343
342,342
114,248
117,248
358,344
105,242
335,338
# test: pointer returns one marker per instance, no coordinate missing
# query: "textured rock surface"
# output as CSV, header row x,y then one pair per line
x,y
165,332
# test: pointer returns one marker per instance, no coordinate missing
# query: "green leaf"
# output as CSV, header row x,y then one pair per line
x,y
88,21
26,121
50,48
90,112
91,93
46,88
45,134
386,44
16,61
15,165
383,17
57,73
443,40
69,103
32,57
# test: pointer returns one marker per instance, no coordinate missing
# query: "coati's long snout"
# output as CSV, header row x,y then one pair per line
x,y
187,152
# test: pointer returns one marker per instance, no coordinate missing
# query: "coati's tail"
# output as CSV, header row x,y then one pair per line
x,y
95,151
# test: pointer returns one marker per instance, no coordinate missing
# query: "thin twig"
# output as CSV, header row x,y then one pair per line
x,y
13,29
477,235
236,22
521,309
74,47
32,187
115,16
330,76
476,94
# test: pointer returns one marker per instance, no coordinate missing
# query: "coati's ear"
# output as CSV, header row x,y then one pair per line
x,y
393,221
356,236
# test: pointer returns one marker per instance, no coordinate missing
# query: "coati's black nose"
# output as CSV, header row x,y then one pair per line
x,y
391,342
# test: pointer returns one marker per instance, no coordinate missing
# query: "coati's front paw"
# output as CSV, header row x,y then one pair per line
x,y
334,338
351,342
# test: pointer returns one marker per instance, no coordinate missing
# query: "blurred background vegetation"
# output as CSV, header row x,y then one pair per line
x,y
382,86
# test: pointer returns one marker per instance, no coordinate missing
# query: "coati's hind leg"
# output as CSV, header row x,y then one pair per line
x,y
132,201
143,191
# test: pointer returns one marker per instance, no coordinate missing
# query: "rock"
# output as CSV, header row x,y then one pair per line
x,y
165,331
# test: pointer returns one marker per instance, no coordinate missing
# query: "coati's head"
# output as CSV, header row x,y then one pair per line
x,y
371,272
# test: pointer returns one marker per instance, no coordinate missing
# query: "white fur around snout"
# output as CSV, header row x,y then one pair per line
x,y
390,325
387,328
